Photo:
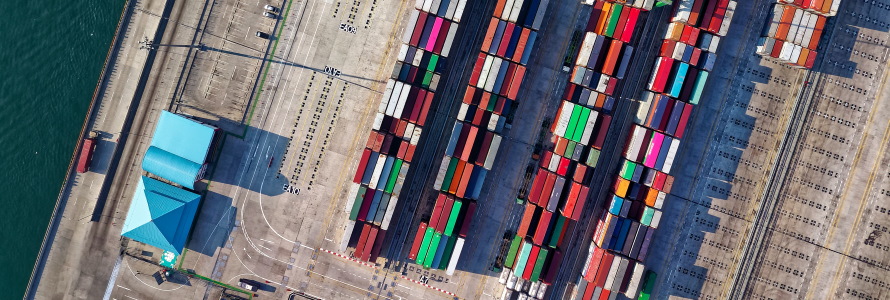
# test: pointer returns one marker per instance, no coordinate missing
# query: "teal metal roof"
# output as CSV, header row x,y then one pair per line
x,y
178,149
161,215
183,137
171,167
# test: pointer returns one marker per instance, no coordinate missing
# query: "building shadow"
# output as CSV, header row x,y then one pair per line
x,y
253,163
214,222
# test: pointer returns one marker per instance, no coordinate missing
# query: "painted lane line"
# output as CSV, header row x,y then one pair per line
x,y
124,288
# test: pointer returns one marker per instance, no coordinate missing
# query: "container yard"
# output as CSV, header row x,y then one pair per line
x,y
791,35
398,126
477,134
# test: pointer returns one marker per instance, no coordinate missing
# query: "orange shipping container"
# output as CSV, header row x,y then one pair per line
x,y
526,220
499,9
612,57
489,35
455,181
605,13
621,186
785,23
817,32
465,180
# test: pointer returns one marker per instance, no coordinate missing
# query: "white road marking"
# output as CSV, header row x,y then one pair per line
x,y
124,288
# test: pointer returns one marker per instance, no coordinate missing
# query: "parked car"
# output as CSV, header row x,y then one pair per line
x,y
271,8
263,35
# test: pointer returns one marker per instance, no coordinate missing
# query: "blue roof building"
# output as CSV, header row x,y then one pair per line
x,y
161,215
178,150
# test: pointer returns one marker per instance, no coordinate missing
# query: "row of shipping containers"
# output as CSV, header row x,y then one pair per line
x,y
439,242
398,124
560,186
791,35
632,212
476,137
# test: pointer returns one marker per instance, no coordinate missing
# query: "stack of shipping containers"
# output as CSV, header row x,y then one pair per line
x,y
560,186
398,124
625,227
477,133
793,31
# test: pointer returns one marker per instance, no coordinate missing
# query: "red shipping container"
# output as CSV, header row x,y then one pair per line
x,y
588,292
684,119
571,200
603,271
366,204
520,46
410,153
444,215
440,39
483,151
437,210
610,87
511,70
707,14
548,189
530,266
527,216
418,240
667,48
622,21
563,166
537,186
378,244
695,13
545,159
465,180
362,164
659,180
403,149
426,108
477,69
661,75
458,172
369,245
605,295
580,172
777,49
363,238
811,59
579,206
632,18
543,226
516,82
468,218
696,54
594,264
468,145
418,29
594,16
505,41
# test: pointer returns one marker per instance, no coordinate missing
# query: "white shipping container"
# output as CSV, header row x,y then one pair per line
x,y
603,83
656,218
449,13
387,92
727,18
486,68
493,122
492,151
539,16
508,6
659,200
808,34
427,4
610,280
415,137
542,290
562,123
633,286
493,74
462,111
390,209
505,274
643,110
449,40
833,10
403,52
669,159
381,161
715,41
586,48
679,50
795,54
350,197
418,4
434,9
409,28
409,130
801,28
440,177
459,11
455,256
403,97
683,11
394,98
787,49
418,56
348,226
378,120
589,127
636,142
397,189
517,6
554,162
795,25
619,276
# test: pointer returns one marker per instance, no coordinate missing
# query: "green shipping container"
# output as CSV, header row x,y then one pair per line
x,y
570,149
627,171
452,219
523,259
573,122
432,65
511,254
582,122
449,174
426,79
449,250
613,20
593,157
396,167
424,246
648,212
699,87
492,102
434,245
357,205
539,264
648,285
554,237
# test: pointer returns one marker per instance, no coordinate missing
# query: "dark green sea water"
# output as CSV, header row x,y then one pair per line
x,y
51,54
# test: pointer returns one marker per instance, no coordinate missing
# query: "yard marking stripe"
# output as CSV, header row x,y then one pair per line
x,y
349,258
429,286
